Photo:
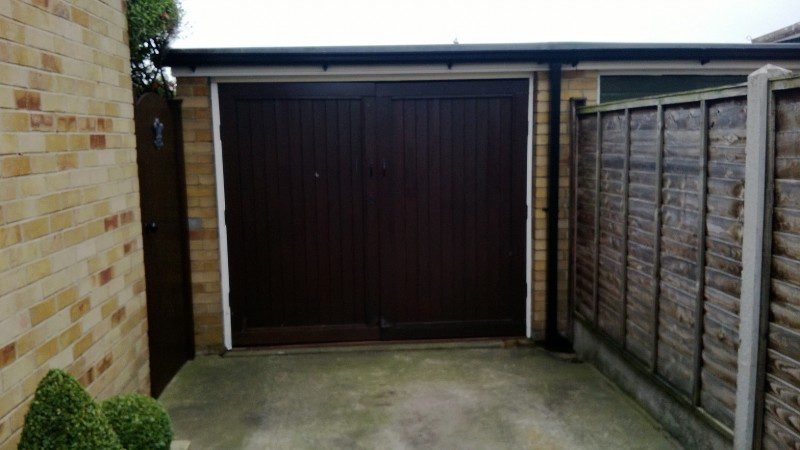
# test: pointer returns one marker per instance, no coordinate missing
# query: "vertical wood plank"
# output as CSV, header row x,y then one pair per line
x,y
332,308
369,186
702,196
596,279
283,165
573,221
483,199
446,187
349,293
657,235
625,187
435,157
422,182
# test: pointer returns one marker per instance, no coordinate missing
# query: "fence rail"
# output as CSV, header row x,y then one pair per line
x,y
659,204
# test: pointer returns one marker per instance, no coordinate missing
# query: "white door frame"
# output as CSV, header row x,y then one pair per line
x,y
417,73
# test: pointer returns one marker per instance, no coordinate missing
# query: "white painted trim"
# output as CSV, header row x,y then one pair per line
x,y
371,78
221,225
529,211
460,71
220,189
363,72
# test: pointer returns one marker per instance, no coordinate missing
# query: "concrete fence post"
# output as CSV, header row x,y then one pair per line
x,y
752,301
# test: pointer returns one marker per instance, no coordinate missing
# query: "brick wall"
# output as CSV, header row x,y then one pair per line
x,y
202,210
202,202
71,272
574,84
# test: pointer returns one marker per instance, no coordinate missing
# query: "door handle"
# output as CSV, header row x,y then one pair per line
x,y
383,167
151,227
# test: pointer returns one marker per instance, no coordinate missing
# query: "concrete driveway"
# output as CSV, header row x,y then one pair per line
x,y
463,396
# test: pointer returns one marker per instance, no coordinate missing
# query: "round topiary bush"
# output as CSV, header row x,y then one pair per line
x,y
63,416
140,422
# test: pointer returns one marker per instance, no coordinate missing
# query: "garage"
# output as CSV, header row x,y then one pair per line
x,y
362,211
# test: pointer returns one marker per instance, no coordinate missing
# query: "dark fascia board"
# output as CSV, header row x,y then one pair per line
x,y
558,52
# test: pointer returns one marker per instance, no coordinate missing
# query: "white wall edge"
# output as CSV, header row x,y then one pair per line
x,y
219,181
529,210
362,72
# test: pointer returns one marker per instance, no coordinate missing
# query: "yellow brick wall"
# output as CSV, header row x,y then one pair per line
x,y
202,202
71,271
574,84
202,209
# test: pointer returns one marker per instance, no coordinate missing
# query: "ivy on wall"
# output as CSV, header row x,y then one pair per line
x,y
152,24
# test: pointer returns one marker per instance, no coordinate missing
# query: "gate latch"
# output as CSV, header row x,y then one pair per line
x,y
158,134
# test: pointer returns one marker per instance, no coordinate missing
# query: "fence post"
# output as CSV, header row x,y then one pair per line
x,y
752,299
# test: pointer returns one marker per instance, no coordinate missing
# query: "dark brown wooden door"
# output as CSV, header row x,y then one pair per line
x,y
452,208
159,156
359,211
301,216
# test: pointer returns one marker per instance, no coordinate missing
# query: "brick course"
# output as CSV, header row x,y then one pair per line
x,y
71,269
202,209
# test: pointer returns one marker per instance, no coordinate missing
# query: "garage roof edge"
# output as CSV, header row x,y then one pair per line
x,y
563,52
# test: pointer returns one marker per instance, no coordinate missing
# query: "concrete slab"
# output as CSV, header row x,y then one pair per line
x,y
180,445
464,398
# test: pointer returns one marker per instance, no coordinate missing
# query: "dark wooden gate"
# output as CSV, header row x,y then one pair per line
x,y
159,154
359,211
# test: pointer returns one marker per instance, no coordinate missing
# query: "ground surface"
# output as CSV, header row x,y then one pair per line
x,y
445,398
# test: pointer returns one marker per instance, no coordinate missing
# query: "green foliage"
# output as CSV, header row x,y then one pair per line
x,y
63,416
151,25
140,422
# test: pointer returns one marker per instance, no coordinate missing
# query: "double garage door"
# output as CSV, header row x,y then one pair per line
x,y
367,211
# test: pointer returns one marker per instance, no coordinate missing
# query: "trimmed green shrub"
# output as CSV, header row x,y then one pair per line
x,y
140,422
64,416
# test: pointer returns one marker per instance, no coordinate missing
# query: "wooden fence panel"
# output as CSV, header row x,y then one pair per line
x,y
782,381
723,258
586,181
664,269
658,266
642,231
611,250
679,240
